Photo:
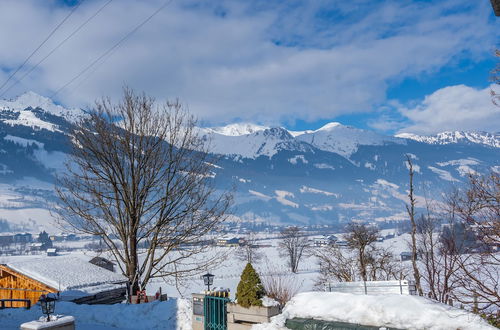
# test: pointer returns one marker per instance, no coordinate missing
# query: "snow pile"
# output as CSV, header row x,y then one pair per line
x,y
55,321
269,302
398,311
171,314
68,273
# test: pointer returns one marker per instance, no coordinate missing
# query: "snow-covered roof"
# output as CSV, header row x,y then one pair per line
x,y
68,273
395,311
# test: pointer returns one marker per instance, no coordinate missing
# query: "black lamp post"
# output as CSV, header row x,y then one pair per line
x,y
48,305
208,279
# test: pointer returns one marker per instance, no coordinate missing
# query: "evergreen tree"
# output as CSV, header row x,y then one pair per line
x,y
44,238
250,289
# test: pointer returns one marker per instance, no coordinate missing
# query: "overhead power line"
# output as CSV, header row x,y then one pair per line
x,y
43,43
112,48
57,47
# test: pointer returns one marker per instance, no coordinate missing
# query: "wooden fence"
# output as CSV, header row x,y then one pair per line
x,y
374,287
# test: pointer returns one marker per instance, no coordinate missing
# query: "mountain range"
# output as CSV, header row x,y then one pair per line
x,y
331,175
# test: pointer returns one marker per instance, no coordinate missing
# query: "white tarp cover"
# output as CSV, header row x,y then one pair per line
x,y
395,311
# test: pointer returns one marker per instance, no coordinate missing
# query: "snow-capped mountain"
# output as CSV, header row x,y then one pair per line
x,y
248,140
266,142
237,129
330,175
33,100
344,140
489,139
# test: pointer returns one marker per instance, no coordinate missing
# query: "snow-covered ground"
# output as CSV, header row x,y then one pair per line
x,y
395,311
227,273
398,311
171,314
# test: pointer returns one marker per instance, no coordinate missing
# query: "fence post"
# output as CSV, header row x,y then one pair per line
x,y
364,283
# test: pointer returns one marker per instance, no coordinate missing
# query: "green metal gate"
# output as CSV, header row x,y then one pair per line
x,y
214,309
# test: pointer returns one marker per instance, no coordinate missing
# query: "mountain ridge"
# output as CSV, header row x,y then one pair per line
x,y
331,175
447,137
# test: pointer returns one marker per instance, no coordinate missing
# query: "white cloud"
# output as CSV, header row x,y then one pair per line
x,y
255,61
453,108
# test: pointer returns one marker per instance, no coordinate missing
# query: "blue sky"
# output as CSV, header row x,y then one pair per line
x,y
393,66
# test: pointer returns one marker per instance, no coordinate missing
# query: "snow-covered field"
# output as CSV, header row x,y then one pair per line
x,y
227,273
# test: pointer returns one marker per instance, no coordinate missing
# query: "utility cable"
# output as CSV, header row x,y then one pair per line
x,y
43,42
111,49
57,47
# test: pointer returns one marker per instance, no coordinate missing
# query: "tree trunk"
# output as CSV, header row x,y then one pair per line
x,y
411,214
362,264
132,267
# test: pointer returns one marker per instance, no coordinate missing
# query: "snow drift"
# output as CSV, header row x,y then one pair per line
x,y
398,311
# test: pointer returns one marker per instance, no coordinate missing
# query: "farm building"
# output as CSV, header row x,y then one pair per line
x,y
235,241
104,263
72,278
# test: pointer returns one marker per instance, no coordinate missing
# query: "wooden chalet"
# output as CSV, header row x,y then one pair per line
x,y
14,285
71,278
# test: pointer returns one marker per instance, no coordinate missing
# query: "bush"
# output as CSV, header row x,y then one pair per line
x,y
493,319
280,286
250,289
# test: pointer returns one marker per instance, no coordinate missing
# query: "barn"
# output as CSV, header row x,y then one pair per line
x,y
72,278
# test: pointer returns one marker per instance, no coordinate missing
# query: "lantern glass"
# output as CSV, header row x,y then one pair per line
x,y
208,279
48,305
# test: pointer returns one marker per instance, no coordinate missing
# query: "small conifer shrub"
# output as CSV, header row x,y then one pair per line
x,y
250,289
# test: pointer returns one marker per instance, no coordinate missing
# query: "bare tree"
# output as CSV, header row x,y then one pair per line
x,y
249,250
410,208
335,265
293,244
338,265
359,237
495,78
479,206
439,252
139,175
382,265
